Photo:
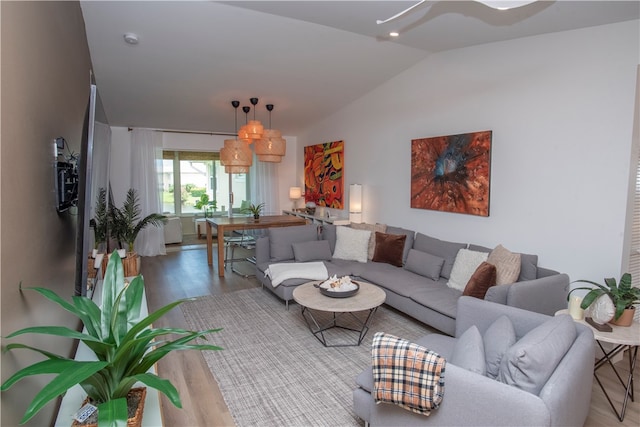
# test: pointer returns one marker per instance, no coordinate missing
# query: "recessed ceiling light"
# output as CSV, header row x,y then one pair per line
x,y
131,38
394,34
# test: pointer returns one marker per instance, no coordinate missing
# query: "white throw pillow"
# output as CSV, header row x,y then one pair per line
x,y
466,263
352,244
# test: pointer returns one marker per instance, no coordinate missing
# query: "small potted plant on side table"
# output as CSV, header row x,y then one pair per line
x,y
622,295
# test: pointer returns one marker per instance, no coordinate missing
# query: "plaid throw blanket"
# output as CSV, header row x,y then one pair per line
x,y
406,374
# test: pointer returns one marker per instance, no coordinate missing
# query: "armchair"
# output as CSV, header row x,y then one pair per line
x,y
474,399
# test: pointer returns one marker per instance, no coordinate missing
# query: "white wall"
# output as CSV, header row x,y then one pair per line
x,y
121,164
561,109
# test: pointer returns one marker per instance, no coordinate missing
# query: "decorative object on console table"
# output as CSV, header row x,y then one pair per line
x,y
324,174
452,173
623,296
125,347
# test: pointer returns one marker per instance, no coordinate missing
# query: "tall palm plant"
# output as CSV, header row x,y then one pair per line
x,y
101,219
126,222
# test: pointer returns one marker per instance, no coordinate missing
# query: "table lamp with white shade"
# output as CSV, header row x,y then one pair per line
x,y
295,193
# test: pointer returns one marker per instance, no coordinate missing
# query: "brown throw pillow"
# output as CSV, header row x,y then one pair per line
x,y
482,279
389,248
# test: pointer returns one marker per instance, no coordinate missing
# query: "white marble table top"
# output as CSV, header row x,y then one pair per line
x,y
369,296
625,335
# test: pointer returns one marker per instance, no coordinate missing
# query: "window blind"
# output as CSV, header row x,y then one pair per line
x,y
191,155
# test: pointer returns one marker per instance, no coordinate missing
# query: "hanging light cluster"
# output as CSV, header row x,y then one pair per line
x,y
236,156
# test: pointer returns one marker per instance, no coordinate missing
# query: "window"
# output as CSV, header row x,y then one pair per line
x,y
195,173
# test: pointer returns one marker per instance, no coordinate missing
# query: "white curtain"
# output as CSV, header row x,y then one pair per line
x,y
264,185
146,164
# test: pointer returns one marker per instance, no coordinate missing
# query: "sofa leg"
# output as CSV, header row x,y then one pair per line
x,y
286,304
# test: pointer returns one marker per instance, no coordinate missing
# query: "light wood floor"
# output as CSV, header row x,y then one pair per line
x,y
186,274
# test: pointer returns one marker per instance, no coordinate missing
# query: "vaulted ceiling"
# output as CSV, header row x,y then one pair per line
x,y
308,58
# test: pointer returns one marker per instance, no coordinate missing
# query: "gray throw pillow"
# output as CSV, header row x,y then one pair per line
x,y
315,250
498,338
529,363
468,351
282,238
441,248
424,264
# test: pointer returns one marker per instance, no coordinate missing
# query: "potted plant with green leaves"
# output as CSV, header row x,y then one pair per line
x,y
206,205
622,294
126,224
100,222
125,346
254,210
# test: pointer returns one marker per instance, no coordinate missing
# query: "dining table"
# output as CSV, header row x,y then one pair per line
x,y
236,223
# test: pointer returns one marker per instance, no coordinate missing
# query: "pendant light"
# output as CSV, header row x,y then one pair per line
x,y
271,147
253,129
236,155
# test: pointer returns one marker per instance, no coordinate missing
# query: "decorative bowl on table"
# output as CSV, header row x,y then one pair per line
x,y
342,287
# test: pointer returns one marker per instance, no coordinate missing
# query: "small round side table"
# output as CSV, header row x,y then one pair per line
x,y
622,337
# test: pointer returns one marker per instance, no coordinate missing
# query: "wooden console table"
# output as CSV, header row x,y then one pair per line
x,y
223,224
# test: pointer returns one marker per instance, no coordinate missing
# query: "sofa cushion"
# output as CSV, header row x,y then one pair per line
x,y
389,248
282,238
395,279
507,265
466,263
468,351
529,363
528,267
439,298
498,338
352,244
408,244
482,279
441,248
373,228
315,250
424,264
528,263
328,232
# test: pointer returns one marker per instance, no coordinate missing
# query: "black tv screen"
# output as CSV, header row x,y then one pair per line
x,y
93,174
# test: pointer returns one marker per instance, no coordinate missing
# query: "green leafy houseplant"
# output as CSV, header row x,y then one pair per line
x,y
255,210
101,219
125,346
623,294
126,221
206,205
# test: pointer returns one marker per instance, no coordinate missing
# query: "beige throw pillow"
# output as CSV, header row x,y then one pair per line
x,y
380,228
507,265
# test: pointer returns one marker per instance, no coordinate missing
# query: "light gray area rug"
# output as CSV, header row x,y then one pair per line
x,y
273,371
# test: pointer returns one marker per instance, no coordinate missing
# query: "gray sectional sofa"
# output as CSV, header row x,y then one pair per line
x,y
412,288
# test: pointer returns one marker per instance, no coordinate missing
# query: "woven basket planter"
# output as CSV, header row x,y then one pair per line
x,y
138,395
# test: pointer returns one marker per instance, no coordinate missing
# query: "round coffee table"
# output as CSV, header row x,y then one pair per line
x,y
367,300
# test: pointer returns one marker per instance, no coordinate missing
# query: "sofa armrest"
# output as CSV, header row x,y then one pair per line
x,y
262,250
545,295
469,399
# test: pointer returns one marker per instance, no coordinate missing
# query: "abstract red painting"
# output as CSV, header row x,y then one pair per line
x,y
324,174
452,173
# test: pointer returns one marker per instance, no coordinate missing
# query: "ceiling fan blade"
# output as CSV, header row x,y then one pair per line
x,y
398,15
505,4
494,4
